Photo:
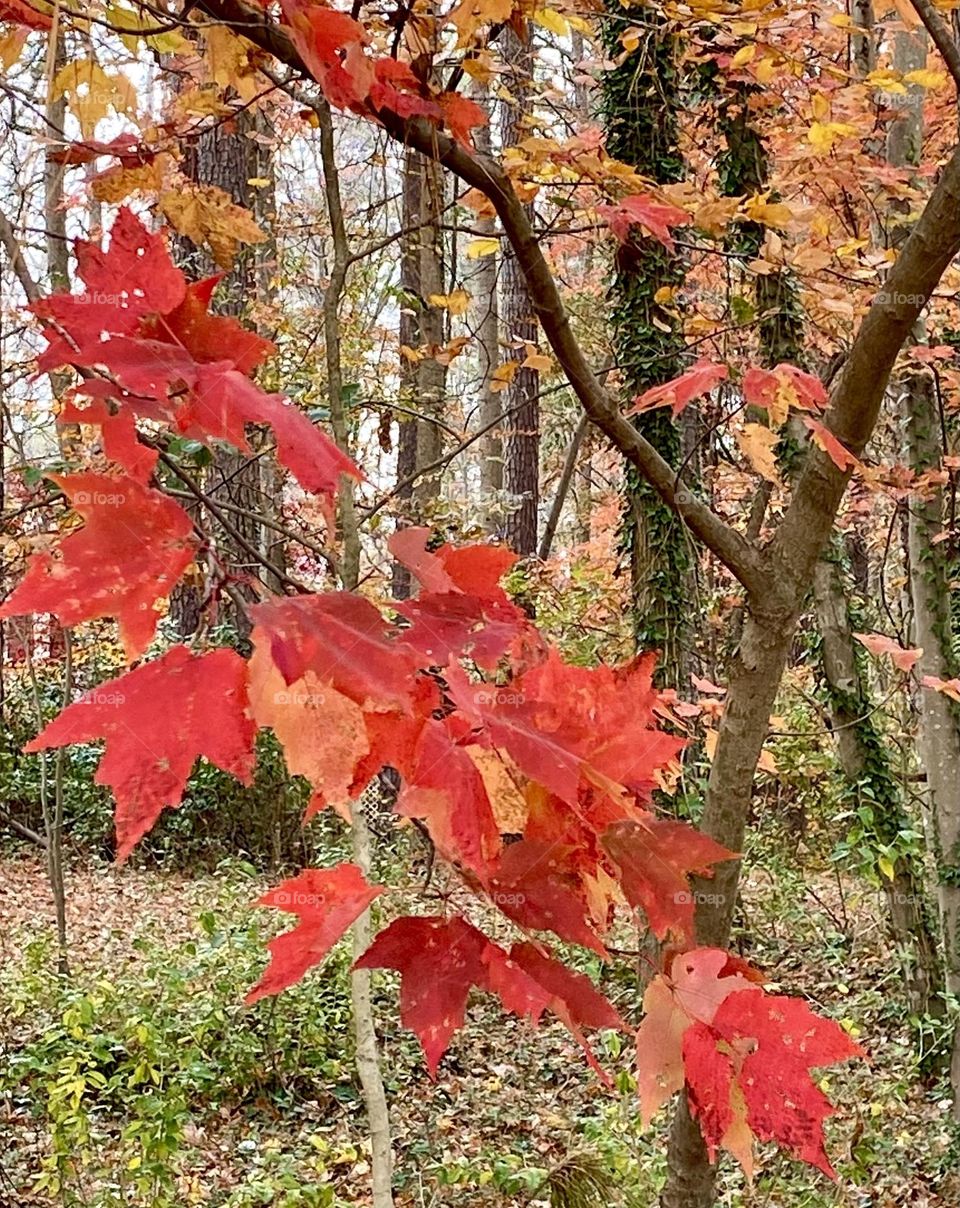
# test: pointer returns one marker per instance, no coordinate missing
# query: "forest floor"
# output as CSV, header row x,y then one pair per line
x,y
142,1079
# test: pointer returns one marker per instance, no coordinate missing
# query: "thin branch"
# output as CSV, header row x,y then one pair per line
x,y
942,37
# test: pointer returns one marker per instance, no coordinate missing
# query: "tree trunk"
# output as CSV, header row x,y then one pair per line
x,y
229,156
423,378
871,782
481,284
521,399
640,112
939,743
364,1023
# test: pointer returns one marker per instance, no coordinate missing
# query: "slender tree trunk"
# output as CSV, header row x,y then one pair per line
x,y
422,329
521,399
364,1024
481,284
866,768
939,742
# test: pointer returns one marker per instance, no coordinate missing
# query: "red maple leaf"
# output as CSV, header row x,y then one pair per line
x,y
461,115
345,642
132,550
537,885
838,453
156,720
654,857
461,609
439,960
444,788
678,394
748,1075
641,209
327,901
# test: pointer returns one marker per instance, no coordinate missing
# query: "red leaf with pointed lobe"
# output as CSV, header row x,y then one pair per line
x,y
536,885
223,401
327,901
208,337
697,381
118,430
641,209
654,858
690,991
582,1003
838,453
565,725
784,385
345,641
461,609
438,960
396,88
156,720
461,116
132,550
444,788
751,1063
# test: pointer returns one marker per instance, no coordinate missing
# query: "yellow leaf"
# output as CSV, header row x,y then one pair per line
x,y
819,106
665,295
746,54
503,375
11,46
482,247
822,135
885,81
470,15
206,215
926,78
548,18
538,362
479,69
768,213
91,93
756,443
630,39
765,69
116,184
885,864
457,303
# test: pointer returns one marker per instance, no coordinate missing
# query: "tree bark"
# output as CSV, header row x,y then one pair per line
x,y
364,1023
939,742
521,435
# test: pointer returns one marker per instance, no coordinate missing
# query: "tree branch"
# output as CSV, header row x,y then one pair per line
x,y
731,547
942,37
